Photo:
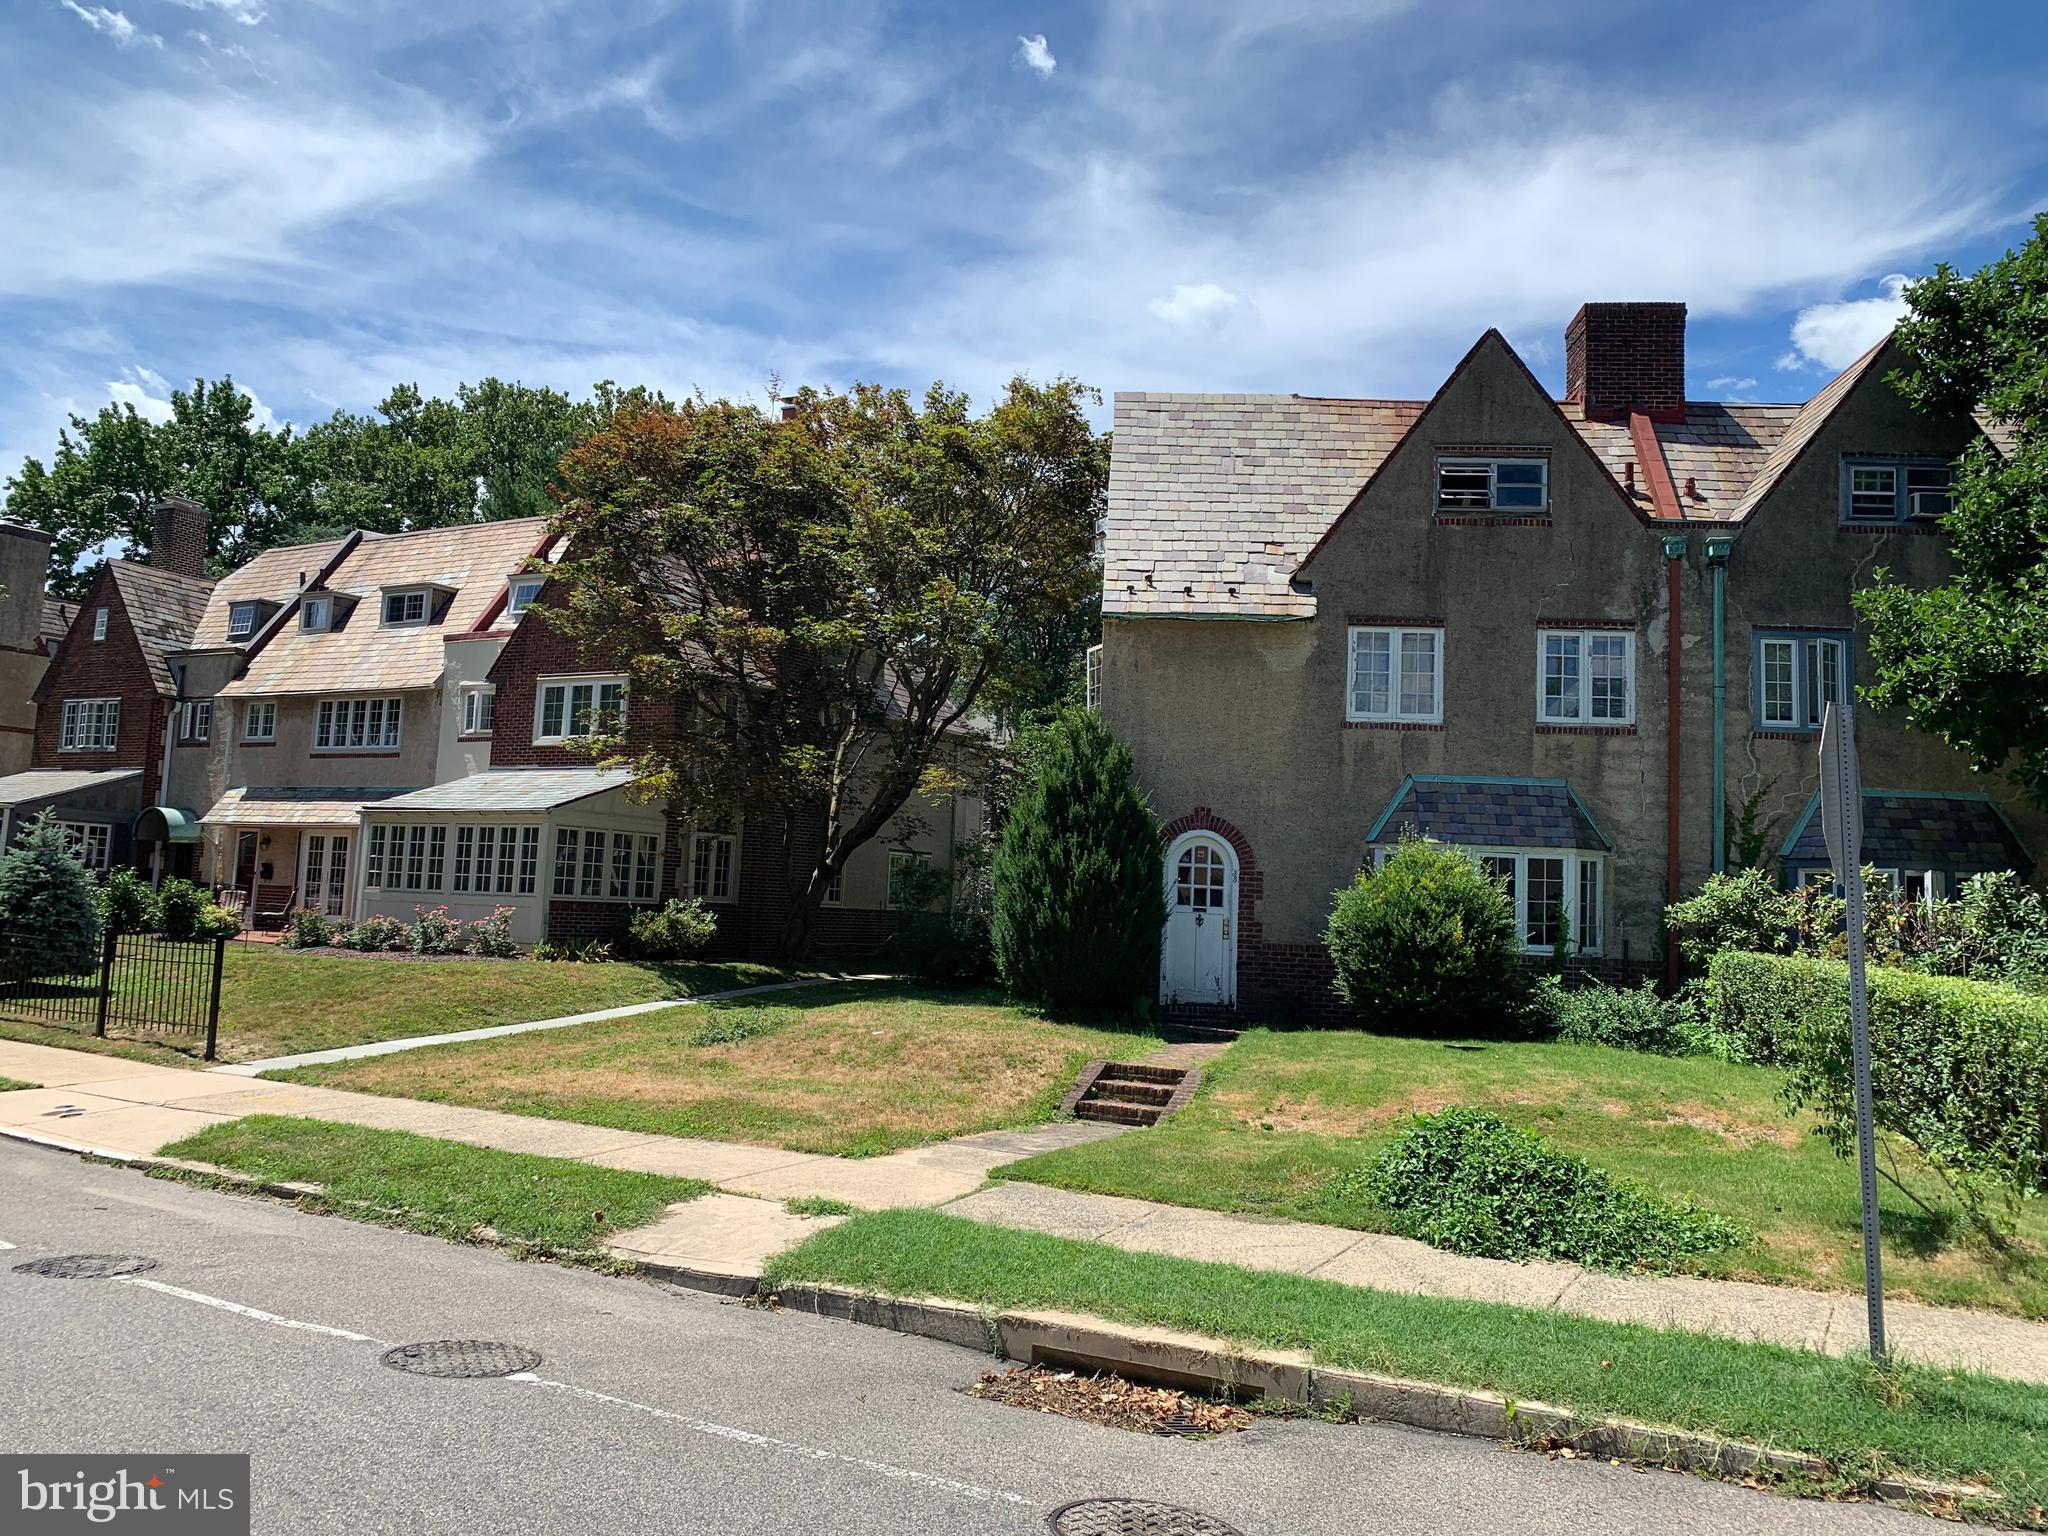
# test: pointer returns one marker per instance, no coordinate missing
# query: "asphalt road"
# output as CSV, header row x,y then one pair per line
x,y
656,1410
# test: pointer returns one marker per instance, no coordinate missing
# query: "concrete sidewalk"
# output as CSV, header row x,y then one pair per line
x,y
130,1109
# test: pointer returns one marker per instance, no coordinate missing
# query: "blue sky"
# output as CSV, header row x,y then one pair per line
x,y
325,198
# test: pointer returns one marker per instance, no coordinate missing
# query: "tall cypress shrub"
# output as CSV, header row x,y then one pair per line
x,y
51,922
1079,895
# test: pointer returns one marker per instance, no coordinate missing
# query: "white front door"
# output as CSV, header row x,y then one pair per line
x,y
325,887
1198,960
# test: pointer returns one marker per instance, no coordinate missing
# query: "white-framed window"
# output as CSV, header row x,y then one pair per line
x,y
405,608
522,593
1897,491
90,841
479,708
900,860
835,888
259,720
570,706
711,872
241,620
195,721
1540,882
1585,677
357,725
1094,684
1488,484
373,856
90,725
1798,676
603,865
413,858
99,625
1395,674
314,614
501,860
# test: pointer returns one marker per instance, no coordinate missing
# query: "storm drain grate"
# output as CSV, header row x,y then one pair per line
x,y
1133,1517
86,1266
461,1359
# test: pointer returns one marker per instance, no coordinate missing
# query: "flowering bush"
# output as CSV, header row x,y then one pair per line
x,y
436,933
308,929
492,936
376,932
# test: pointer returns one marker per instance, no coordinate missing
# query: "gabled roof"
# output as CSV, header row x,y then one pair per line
x,y
1803,428
163,609
272,576
472,560
1484,812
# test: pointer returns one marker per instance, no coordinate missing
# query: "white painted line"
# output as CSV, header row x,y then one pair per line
x,y
4,1246
240,1310
786,1447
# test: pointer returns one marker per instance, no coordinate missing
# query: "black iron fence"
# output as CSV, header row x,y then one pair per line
x,y
124,981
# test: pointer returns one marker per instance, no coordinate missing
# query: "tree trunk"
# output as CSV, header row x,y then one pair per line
x,y
799,934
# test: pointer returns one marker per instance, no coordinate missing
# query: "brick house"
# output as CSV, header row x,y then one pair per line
x,y
1547,630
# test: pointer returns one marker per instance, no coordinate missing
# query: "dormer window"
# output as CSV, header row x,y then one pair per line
x,y
314,615
405,607
241,620
522,594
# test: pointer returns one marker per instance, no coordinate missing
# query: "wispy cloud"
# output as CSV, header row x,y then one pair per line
x,y
1731,383
248,12
112,24
1832,336
1034,55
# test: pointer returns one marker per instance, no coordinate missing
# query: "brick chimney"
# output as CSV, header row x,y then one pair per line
x,y
1620,358
179,542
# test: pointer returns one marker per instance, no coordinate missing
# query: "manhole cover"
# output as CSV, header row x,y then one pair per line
x,y
470,1359
1134,1517
86,1266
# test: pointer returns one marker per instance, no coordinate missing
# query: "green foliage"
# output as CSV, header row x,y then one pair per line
x,y
1078,896
945,934
1959,1069
1995,930
1426,944
188,911
1963,659
47,904
1741,910
491,936
829,599
126,903
677,930
435,932
1469,1182
1746,835
736,1026
377,932
1629,1020
587,952
306,928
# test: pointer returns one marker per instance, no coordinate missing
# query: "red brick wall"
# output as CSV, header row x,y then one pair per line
x,y
111,668
536,650
1623,357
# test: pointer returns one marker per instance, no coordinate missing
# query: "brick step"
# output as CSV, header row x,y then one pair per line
x,y
1200,1034
1115,1113
1107,1087
1139,1072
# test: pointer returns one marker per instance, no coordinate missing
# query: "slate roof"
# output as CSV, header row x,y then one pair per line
x,y
323,807
163,608
473,560
272,576
513,789
1487,812
58,617
1803,428
1963,834
49,783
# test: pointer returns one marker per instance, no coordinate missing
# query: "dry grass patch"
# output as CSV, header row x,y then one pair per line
x,y
853,1070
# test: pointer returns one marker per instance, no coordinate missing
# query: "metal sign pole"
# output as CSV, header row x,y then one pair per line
x,y
1842,823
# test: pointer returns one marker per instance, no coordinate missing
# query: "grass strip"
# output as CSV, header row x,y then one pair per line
x,y
443,1188
1929,1423
15,1085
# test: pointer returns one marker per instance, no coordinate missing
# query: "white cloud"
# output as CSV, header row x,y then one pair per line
x,y
1195,306
1033,54
1832,336
1729,382
248,12
147,391
114,24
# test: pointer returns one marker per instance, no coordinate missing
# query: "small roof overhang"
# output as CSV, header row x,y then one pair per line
x,y
1485,811
293,807
55,783
513,789
166,824
1963,834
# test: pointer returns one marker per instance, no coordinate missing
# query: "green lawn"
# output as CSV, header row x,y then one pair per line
x,y
274,1002
1281,1112
854,1070
1935,1424
15,1084
444,1188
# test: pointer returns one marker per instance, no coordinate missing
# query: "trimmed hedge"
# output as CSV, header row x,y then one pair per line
x,y
1959,1069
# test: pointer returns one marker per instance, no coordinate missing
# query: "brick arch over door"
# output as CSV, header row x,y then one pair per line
x,y
1251,885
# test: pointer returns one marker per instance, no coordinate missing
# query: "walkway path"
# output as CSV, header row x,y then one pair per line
x,y
129,1109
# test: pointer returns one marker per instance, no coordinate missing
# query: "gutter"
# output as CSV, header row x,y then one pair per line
x,y
1675,546
1718,547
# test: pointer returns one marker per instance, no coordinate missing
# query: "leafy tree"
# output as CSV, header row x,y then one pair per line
x,y
826,601
1079,892
47,905
1963,660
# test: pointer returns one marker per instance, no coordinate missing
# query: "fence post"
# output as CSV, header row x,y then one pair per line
x,y
106,979
220,954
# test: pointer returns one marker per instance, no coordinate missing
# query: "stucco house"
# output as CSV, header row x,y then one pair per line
x,y
1576,636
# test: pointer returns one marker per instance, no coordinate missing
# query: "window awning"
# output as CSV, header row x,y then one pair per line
x,y
1488,813
1904,829
166,824
293,807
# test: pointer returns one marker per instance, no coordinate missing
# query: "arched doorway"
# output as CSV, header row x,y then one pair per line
x,y
1198,955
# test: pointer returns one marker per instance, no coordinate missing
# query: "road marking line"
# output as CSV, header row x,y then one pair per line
x,y
768,1442
244,1311
4,1246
